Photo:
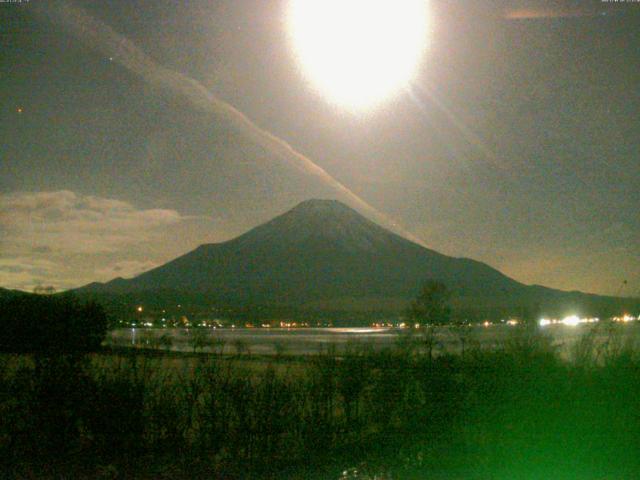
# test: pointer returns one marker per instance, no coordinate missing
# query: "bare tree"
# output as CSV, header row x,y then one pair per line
x,y
431,306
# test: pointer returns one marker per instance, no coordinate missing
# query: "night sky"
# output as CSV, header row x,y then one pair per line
x,y
517,144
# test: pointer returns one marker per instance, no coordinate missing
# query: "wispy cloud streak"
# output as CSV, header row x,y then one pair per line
x,y
548,13
105,39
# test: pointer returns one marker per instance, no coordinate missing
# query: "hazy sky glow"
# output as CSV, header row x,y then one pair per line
x,y
516,142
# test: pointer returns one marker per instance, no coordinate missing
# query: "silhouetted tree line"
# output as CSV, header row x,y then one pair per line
x,y
52,325
501,412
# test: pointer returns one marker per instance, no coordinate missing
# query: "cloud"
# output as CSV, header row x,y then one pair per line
x,y
65,239
20,265
24,273
125,269
550,12
63,221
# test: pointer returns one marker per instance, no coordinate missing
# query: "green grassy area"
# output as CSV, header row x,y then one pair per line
x,y
514,411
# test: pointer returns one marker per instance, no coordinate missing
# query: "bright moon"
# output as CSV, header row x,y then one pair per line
x,y
358,52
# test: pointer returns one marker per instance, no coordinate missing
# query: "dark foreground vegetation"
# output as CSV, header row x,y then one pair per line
x,y
517,411
50,325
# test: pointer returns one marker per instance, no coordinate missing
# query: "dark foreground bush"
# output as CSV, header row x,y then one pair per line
x,y
517,411
50,325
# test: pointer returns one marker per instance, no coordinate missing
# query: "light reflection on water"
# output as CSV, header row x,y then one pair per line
x,y
300,341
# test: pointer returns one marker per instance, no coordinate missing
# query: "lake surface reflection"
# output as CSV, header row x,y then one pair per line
x,y
304,341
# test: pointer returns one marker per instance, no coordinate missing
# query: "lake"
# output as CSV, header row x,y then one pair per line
x,y
304,341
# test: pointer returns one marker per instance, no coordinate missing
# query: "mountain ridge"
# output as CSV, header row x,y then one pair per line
x,y
322,251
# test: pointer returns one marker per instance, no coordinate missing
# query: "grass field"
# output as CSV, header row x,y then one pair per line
x,y
517,410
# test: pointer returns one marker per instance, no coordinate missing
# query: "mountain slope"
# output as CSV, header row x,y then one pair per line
x,y
6,293
320,253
